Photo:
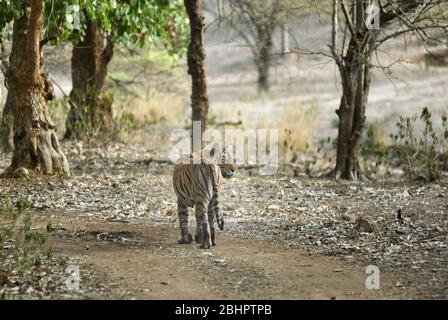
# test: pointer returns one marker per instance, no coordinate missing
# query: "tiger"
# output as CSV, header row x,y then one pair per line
x,y
197,179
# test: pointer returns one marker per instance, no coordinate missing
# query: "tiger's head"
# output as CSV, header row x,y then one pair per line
x,y
223,157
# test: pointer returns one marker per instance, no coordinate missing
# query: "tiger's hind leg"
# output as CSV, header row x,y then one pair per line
x,y
198,234
204,226
185,235
211,222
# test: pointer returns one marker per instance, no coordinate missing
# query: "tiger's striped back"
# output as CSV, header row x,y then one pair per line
x,y
197,179
193,182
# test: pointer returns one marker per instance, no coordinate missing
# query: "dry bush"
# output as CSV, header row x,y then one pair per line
x,y
296,124
421,154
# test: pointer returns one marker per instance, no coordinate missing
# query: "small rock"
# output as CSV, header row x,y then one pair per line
x,y
286,226
347,217
21,173
365,225
51,186
220,260
30,290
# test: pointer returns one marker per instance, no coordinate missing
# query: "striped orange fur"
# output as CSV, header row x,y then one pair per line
x,y
197,179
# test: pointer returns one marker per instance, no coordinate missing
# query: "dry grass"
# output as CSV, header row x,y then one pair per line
x,y
153,86
296,124
154,107
294,120
379,133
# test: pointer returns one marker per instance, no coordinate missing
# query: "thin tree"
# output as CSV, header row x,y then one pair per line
x,y
353,54
91,106
255,22
196,69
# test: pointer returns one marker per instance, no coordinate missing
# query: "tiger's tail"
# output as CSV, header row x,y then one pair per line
x,y
218,214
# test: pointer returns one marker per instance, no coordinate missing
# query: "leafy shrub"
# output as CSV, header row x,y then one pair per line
x,y
20,243
420,154
374,141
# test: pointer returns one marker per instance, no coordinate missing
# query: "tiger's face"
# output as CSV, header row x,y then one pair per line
x,y
226,162
224,158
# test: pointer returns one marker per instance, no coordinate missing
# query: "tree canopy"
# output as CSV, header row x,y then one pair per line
x,y
127,21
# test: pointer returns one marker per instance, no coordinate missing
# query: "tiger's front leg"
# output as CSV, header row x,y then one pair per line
x,y
204,226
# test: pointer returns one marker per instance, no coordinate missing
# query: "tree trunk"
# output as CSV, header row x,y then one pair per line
x,y
7,127
352,118
263,61
196,68
91,106
36,146
356,78
263,74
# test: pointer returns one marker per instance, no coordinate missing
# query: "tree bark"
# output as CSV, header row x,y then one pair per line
x,y
7,127
263,61
196,67
355,74
36,146
91,106
355,70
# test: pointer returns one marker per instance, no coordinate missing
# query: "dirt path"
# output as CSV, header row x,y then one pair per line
x,y
144,262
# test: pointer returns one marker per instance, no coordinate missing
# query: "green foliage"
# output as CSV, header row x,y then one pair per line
x,y
137,21
124,124
8,11
420,154
133,21
24,242
371,143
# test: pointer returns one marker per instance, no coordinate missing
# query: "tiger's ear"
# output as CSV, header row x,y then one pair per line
x,y
212,149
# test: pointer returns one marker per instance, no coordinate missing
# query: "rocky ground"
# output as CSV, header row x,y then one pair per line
x,y
286,236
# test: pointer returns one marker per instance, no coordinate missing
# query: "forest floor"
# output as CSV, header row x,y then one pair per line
x,y
291,235
286,236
